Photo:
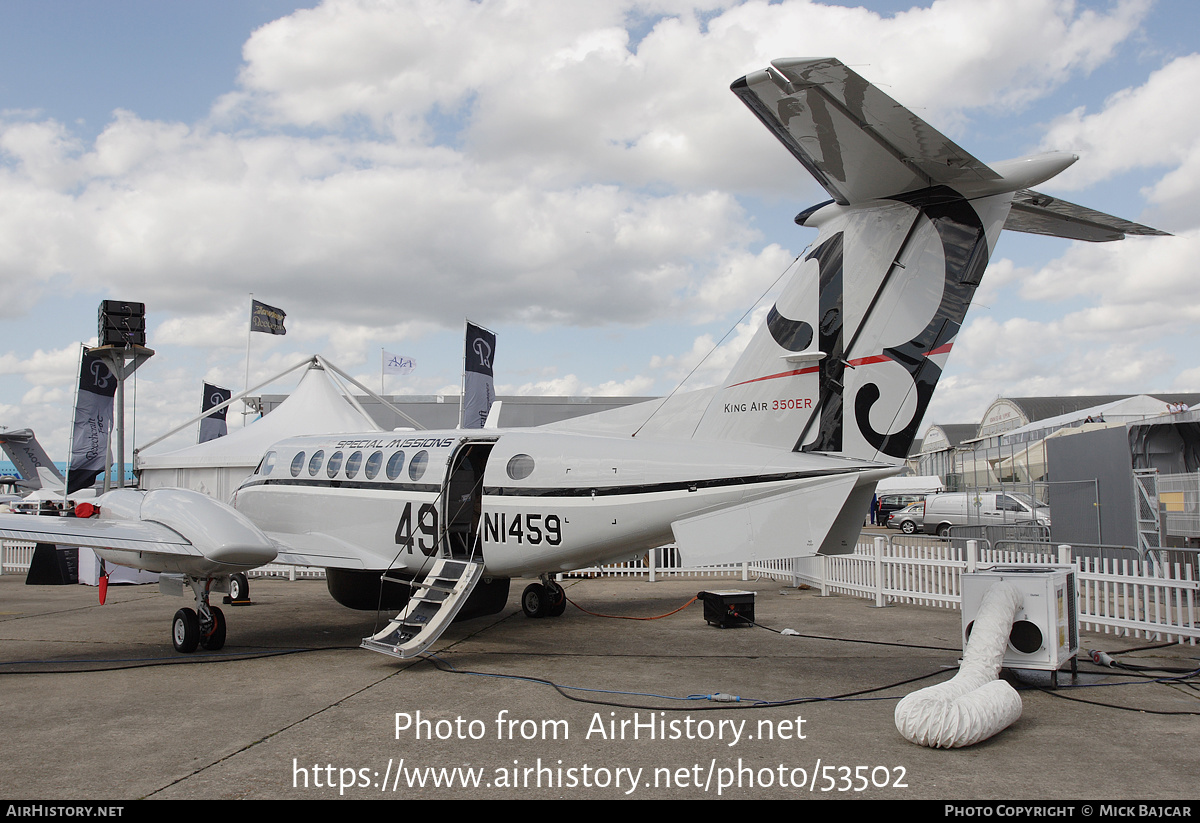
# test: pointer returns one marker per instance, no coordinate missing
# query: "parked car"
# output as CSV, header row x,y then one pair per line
x,y
894,502
909,520
981,508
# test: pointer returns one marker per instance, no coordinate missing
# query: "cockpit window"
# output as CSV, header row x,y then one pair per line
x,y
268,463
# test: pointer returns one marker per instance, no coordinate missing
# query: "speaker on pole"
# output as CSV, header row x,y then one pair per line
x,y
122,323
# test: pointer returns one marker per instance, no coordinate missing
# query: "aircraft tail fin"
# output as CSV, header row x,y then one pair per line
x,y
50,479
30,459
850,354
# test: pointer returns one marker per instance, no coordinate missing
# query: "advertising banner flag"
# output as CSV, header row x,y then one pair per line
x,y
397,363
266,319
478,389
93,422
214,425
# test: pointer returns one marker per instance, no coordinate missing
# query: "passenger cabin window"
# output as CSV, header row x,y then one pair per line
x,y
335,463
314,463
373,464
520,466
394,465
353,463
297,464
416,466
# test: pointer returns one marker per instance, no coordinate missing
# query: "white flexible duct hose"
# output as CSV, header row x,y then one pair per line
x,y
974,704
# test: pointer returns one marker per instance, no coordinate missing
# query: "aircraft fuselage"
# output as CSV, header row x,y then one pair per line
x,y
539,501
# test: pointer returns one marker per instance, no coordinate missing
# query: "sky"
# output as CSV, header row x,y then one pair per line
x,y
575,176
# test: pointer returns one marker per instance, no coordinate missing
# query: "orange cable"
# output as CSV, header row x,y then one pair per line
x,y
624,617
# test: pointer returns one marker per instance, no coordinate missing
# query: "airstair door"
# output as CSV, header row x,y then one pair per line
x,y
458,568
462,500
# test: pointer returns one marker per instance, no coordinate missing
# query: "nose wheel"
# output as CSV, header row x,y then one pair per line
x,y
546,599
203,626
185,631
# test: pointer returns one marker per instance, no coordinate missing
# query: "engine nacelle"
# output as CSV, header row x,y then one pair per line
x,y
365,591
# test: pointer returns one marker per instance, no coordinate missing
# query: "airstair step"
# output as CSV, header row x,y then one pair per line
x,y
435,602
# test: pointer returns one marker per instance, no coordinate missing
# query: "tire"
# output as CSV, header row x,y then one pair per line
x,y
558,600
908,527
215,639
943,530
239,588
535,600
185,631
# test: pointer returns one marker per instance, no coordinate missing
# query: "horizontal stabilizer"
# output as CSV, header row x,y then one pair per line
x,y
1037,213
790,524
858,142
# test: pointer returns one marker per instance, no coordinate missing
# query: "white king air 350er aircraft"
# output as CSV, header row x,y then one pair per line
x,y
778,461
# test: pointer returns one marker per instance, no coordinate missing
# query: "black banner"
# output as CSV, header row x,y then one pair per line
x,y
93,422
266,319
478,391
213,426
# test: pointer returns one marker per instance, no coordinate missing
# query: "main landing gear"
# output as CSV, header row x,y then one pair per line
x,y
203,626
545,599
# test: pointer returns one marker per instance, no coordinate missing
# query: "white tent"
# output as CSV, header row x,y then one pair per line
x,y
218,467
924,484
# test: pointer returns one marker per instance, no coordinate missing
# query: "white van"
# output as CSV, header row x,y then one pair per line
x,y
981,509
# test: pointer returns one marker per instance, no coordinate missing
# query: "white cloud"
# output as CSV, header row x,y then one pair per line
x,y
383,169
1148,126
572,386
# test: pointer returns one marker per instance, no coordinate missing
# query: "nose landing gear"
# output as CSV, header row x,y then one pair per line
x,y
204,626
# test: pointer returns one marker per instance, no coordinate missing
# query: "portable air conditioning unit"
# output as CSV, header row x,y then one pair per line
x,y
1045,631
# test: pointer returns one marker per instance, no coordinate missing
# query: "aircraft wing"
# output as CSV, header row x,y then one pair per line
x,y
163,530
96,534
322,551
1037,213
794,523
856,141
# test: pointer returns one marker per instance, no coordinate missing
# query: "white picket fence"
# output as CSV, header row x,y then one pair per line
x,y
15,556
1126,597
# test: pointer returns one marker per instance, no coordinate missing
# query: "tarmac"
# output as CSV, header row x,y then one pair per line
x,y
98,706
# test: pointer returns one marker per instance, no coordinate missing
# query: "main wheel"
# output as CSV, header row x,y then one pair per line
x,y
944,530
908,527
535,600
558,600
185,631
215,639
239,588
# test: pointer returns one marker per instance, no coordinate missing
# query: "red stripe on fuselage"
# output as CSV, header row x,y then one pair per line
x,y
862,361
858,361
809,370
